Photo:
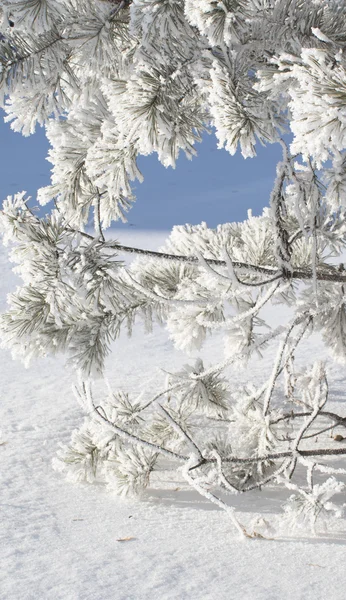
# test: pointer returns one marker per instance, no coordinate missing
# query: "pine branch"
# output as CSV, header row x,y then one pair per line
x,y
130,437
333,274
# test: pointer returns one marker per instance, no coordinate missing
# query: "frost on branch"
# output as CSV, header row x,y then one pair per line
x,y
308,506
331,319
74,298
111,81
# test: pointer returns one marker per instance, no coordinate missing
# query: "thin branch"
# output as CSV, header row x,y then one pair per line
x,y
232,274
323,413
98,225
182,432
267,479
296,341
212,271
243,315
284,454
261,283
309,475
153,400
331,274
222,477
312,415
317,433
277,369
215,500
299,436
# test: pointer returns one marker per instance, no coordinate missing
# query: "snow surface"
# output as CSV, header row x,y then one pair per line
x,y
60,541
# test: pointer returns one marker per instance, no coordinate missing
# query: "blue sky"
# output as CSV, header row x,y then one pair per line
x,y
214,187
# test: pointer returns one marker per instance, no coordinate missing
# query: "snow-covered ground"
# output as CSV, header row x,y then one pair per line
x,y
60,541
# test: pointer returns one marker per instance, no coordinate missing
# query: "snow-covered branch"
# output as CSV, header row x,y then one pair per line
x,y
115,80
